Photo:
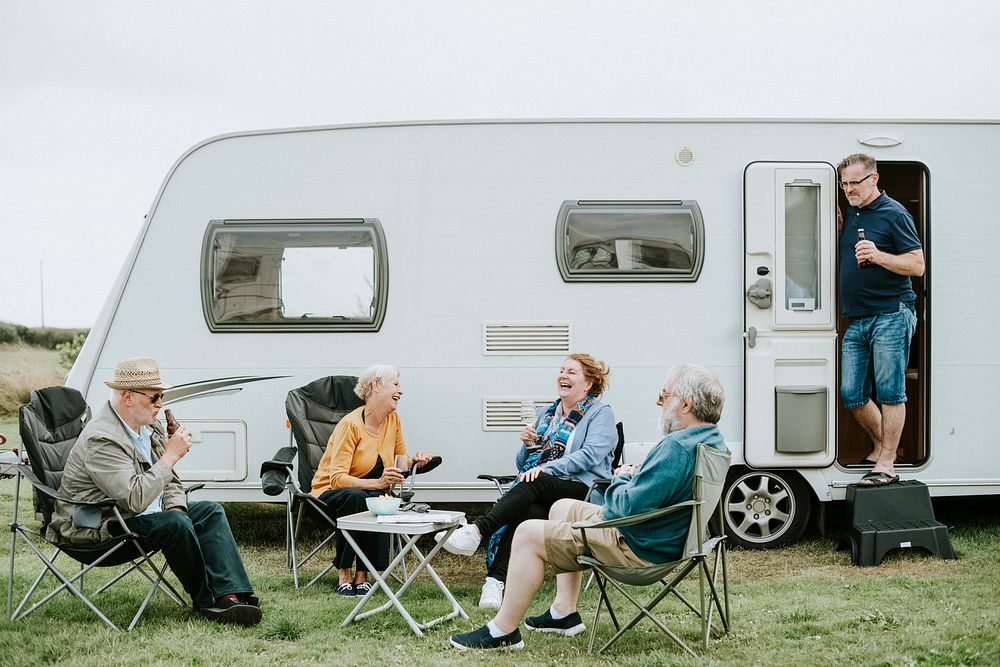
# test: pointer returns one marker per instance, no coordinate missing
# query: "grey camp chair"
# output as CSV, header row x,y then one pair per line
x,y
50,425
313,410
704,554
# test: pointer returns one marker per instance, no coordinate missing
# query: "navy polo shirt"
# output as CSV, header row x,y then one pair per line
x,y
876,290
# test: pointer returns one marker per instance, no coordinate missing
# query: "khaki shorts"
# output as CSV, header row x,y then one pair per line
x,y
563,544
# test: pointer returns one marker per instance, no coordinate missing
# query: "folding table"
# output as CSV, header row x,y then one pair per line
x,y
411,527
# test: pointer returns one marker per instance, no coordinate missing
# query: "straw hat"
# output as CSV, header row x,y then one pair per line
x,y
138,373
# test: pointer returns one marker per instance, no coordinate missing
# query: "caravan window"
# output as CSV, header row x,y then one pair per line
x,y
274,275
632,241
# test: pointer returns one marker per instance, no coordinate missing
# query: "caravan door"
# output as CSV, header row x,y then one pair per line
x,y
790,323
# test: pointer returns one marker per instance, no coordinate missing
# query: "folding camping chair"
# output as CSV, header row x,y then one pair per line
x,y
313,410
699,550
50,424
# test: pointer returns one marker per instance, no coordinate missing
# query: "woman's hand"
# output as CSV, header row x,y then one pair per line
x,y
531,474
420,458
389,477
528,435
627,467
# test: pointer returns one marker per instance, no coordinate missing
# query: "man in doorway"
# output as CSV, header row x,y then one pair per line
x,y
878,299
123,453
690,407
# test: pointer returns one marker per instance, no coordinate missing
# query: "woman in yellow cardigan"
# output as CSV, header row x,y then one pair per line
x,y
359,463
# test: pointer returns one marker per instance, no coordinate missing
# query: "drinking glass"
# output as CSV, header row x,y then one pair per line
x,y
400,462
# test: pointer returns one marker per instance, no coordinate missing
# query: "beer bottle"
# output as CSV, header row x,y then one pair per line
x,y
862,264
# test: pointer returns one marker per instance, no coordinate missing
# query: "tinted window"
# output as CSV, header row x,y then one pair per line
x,y
607,241
294,275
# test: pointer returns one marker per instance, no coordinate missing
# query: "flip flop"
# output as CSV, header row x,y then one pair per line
x,y
878,479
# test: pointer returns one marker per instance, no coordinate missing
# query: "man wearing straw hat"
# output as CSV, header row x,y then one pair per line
x,y
123,453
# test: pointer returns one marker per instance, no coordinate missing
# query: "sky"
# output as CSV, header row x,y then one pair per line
x,y
99,99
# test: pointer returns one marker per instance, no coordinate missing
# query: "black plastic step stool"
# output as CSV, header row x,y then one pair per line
x,y
897,516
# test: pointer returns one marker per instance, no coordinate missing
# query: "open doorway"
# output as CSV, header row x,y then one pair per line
x,y
907,183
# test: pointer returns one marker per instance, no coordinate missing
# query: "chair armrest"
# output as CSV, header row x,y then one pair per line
x,y
29,474
498,479
637,518
188,490
276,473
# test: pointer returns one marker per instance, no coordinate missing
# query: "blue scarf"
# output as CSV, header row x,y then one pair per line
x,y
551,443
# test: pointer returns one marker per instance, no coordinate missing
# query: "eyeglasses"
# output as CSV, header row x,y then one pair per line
x,y
847,185
154,398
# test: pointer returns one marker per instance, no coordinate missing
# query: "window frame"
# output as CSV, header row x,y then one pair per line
x,y
291,225
576,275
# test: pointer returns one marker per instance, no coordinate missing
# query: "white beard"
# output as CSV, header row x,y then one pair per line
x,y
667,421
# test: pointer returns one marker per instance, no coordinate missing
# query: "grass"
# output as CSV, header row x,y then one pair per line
x,y
22,369
803,605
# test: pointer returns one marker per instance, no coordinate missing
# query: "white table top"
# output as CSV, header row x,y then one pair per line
x,y
367,521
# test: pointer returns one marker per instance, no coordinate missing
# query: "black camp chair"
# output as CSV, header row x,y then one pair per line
x,y
313,410
50,425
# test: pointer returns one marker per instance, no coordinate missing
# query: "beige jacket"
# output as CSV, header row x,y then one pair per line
x,y
105,464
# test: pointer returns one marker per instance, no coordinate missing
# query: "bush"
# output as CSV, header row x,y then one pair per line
x,y
8,333
70,350
50,337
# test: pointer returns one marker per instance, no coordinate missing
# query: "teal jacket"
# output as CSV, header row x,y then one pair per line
x,y
665,478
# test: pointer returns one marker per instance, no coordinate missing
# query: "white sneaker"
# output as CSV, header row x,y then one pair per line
x,y
492,594
463,541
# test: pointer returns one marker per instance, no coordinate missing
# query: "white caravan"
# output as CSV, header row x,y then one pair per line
x,y
476,255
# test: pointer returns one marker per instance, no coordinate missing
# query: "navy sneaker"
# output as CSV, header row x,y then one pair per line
x,y
361,590
567,625
345,589
483,640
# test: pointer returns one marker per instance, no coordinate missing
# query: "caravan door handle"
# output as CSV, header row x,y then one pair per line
x,y
751,336
760,293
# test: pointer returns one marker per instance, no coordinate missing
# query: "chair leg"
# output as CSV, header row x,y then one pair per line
x,y
645,611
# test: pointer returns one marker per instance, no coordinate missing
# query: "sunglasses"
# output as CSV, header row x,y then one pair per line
x,y
153,398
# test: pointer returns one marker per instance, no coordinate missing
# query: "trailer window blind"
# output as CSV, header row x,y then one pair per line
x,y
610,241
294,275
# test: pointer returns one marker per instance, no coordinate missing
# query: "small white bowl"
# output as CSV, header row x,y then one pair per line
x,y
380,505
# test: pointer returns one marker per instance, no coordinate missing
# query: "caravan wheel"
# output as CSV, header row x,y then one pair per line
x,y
765,509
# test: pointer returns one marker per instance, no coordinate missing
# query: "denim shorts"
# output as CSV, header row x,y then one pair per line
x,y
875,350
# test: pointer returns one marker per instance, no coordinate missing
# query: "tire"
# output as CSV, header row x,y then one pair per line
x,y
764,509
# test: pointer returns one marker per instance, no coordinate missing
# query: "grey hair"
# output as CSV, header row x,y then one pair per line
x,y
866,161
701,388
381,372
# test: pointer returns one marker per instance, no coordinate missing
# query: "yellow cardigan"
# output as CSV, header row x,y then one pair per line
x,y
351,452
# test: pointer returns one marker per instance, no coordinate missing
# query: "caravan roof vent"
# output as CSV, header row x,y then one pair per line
x,y
880,140
503,413
517,338
684,157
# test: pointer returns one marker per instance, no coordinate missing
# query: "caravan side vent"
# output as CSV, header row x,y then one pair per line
x,y
517,338
503,413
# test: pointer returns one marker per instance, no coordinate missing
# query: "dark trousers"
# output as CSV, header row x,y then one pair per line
x,y
526,500
199,548
375,546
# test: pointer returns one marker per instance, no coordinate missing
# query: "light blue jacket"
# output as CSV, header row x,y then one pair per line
x,y
590,452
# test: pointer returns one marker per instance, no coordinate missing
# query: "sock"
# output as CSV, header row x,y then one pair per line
x,y
556,614
495,630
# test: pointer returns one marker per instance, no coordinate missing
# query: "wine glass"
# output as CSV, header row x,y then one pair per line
x,y
528,416
400,462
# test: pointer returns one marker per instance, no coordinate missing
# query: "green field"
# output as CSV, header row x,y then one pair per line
x,y
804,605
23,368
